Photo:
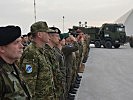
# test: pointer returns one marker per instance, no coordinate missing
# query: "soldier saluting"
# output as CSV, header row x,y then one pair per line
x,y
12,87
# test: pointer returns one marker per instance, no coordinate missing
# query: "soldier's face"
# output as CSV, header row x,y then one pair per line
x,y
62,42
14,50
44,37
54,38
68,39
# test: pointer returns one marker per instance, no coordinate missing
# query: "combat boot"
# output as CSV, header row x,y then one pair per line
x,y
71,97
76,85
73,91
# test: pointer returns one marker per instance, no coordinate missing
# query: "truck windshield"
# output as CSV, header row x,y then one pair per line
x,y
120,29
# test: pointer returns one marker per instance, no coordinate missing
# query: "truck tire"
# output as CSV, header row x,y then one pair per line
x,y
116,45
108,44
131,44
97,44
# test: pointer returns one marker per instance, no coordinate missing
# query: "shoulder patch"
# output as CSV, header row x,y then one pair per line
x,y
28,68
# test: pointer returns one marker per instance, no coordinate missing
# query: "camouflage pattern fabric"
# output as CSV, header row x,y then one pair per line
x,y
51,57
79,54
10,87
38,73
60,57
68,52
86,48
74,70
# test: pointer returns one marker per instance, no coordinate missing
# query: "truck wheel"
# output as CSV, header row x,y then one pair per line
x,y
97,44
108,44
116,45
131,44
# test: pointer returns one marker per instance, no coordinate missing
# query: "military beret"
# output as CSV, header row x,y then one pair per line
x,y
55,30
64,35
75,34
39,26
9,34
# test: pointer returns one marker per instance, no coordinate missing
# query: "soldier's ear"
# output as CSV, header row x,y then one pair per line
x,y
2,50
39,34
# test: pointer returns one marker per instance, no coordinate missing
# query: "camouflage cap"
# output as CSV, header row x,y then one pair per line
x,y
39,26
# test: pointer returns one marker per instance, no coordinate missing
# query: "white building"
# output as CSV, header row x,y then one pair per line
x,y
127,20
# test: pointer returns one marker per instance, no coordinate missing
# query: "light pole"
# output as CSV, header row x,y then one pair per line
x,y
63,24
35,10
83,25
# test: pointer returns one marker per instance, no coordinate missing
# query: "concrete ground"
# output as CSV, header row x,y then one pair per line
x,y
108,75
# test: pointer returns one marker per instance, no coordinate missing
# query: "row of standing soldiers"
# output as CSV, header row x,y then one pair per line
x,y
51,62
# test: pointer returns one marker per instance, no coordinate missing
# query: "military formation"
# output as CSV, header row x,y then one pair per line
x,y
42,65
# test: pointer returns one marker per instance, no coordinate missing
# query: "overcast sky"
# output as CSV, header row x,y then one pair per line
x,y
94,12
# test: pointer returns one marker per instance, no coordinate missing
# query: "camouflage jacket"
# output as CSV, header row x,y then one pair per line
x,y
79,54
50,53
12,85
68,51
70,62
86,48
60,57
38,73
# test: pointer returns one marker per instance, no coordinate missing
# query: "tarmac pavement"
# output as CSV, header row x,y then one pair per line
x,y
108,75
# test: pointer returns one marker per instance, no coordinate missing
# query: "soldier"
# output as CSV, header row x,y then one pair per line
x,y
80,39
25,41
61,58
70,60
36,69
12,85
52,57
86,48
29,37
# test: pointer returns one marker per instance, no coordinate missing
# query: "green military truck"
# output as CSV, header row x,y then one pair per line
x,y
111,35
108,35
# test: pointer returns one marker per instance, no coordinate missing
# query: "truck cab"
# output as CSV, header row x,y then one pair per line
x,y
111,35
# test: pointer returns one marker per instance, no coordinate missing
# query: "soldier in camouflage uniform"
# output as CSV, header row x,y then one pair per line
x,y
12,85
35,68
77,58
52,57
68,50
80,40
86,47
61,58
83,40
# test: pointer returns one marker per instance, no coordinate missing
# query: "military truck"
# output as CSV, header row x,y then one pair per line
x,y
111,35
108,35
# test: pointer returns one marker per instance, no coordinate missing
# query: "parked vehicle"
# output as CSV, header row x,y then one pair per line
x,y
108,35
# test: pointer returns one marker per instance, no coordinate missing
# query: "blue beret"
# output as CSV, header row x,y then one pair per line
x,y
9,34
